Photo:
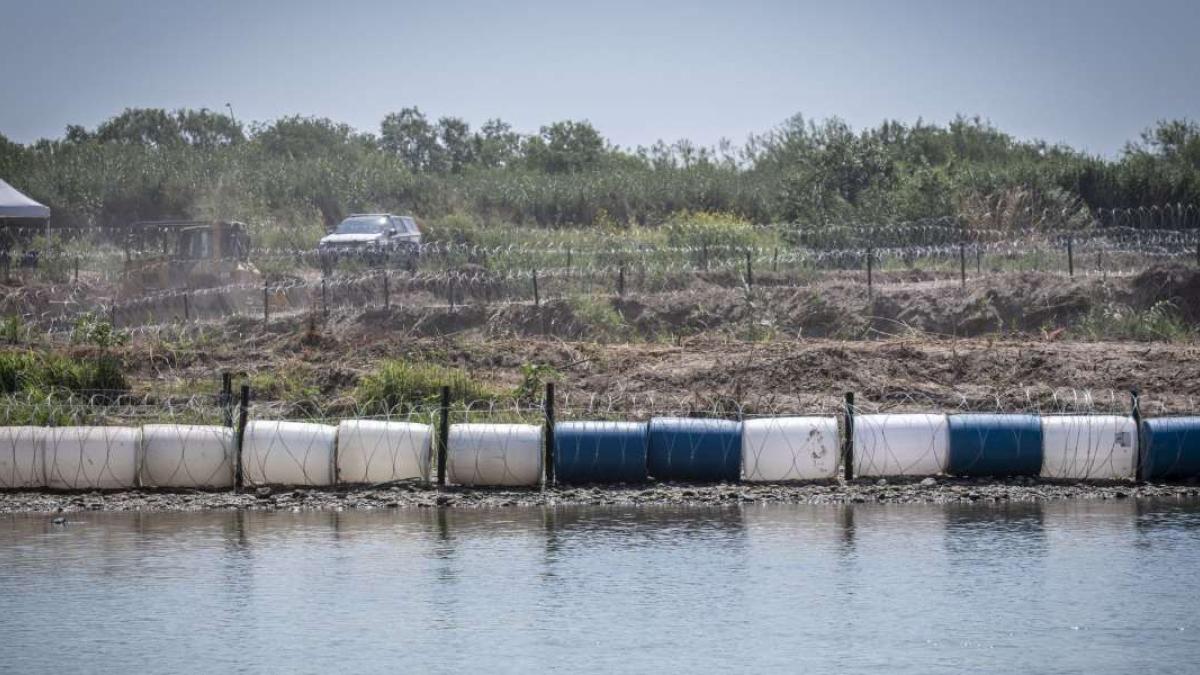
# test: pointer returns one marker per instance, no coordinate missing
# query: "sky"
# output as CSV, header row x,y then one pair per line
x,y
1090,74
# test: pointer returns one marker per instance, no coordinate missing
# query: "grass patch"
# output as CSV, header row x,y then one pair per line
x,y
49,373
602,321
1161,322
400,387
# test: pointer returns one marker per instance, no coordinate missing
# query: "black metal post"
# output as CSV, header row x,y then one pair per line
x,y
848,441
1070,256
266,306
239,476
537,298
187,305
962,263
324,299
76,269
443,437
227,399
749,269
1135,403
549,454
870,263
775,259
978,260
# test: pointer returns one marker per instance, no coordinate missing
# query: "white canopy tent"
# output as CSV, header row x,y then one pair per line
x,y
19,213
14,205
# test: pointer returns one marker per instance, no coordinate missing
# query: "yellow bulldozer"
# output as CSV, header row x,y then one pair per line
x,y
177,254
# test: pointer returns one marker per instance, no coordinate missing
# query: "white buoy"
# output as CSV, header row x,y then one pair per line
x,y
373,451
1089,447
22,457
900,444
495,454
778,449
93,458
187,455
288,453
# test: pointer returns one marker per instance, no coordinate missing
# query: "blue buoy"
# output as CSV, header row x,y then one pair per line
x,y
995,445
693,449
600,452
1170,448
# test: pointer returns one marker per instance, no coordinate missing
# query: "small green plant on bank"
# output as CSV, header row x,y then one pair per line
x,y
534,377
13,329
92,330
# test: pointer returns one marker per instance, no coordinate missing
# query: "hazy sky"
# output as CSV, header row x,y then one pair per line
x,y
1092,74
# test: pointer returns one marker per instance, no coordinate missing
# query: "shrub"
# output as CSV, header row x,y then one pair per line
x,y
598,317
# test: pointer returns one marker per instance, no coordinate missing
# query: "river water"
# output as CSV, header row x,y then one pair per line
x,y
1059,587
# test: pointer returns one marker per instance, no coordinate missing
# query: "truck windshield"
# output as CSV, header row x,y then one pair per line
x,y
362,225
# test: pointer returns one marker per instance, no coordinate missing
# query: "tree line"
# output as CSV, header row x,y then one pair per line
x,y
154,163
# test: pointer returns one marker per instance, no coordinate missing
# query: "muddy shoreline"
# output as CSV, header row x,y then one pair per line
x,y
926,491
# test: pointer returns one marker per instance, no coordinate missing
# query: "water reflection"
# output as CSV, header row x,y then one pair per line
x,y
1086,586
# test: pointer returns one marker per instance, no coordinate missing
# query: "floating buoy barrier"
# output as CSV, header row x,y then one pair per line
x,y
600,452
1089,447
375,451
1171,448
779,449
1080,447
289,453
92,458
909,444
494,454
694,449
22,457
187,455
995,445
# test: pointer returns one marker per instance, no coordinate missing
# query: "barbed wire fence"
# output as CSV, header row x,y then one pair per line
x,y
69,282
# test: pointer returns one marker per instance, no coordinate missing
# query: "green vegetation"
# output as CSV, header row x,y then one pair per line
x,y
603,322
1161,322
295,176
399,387
50,373
534,377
